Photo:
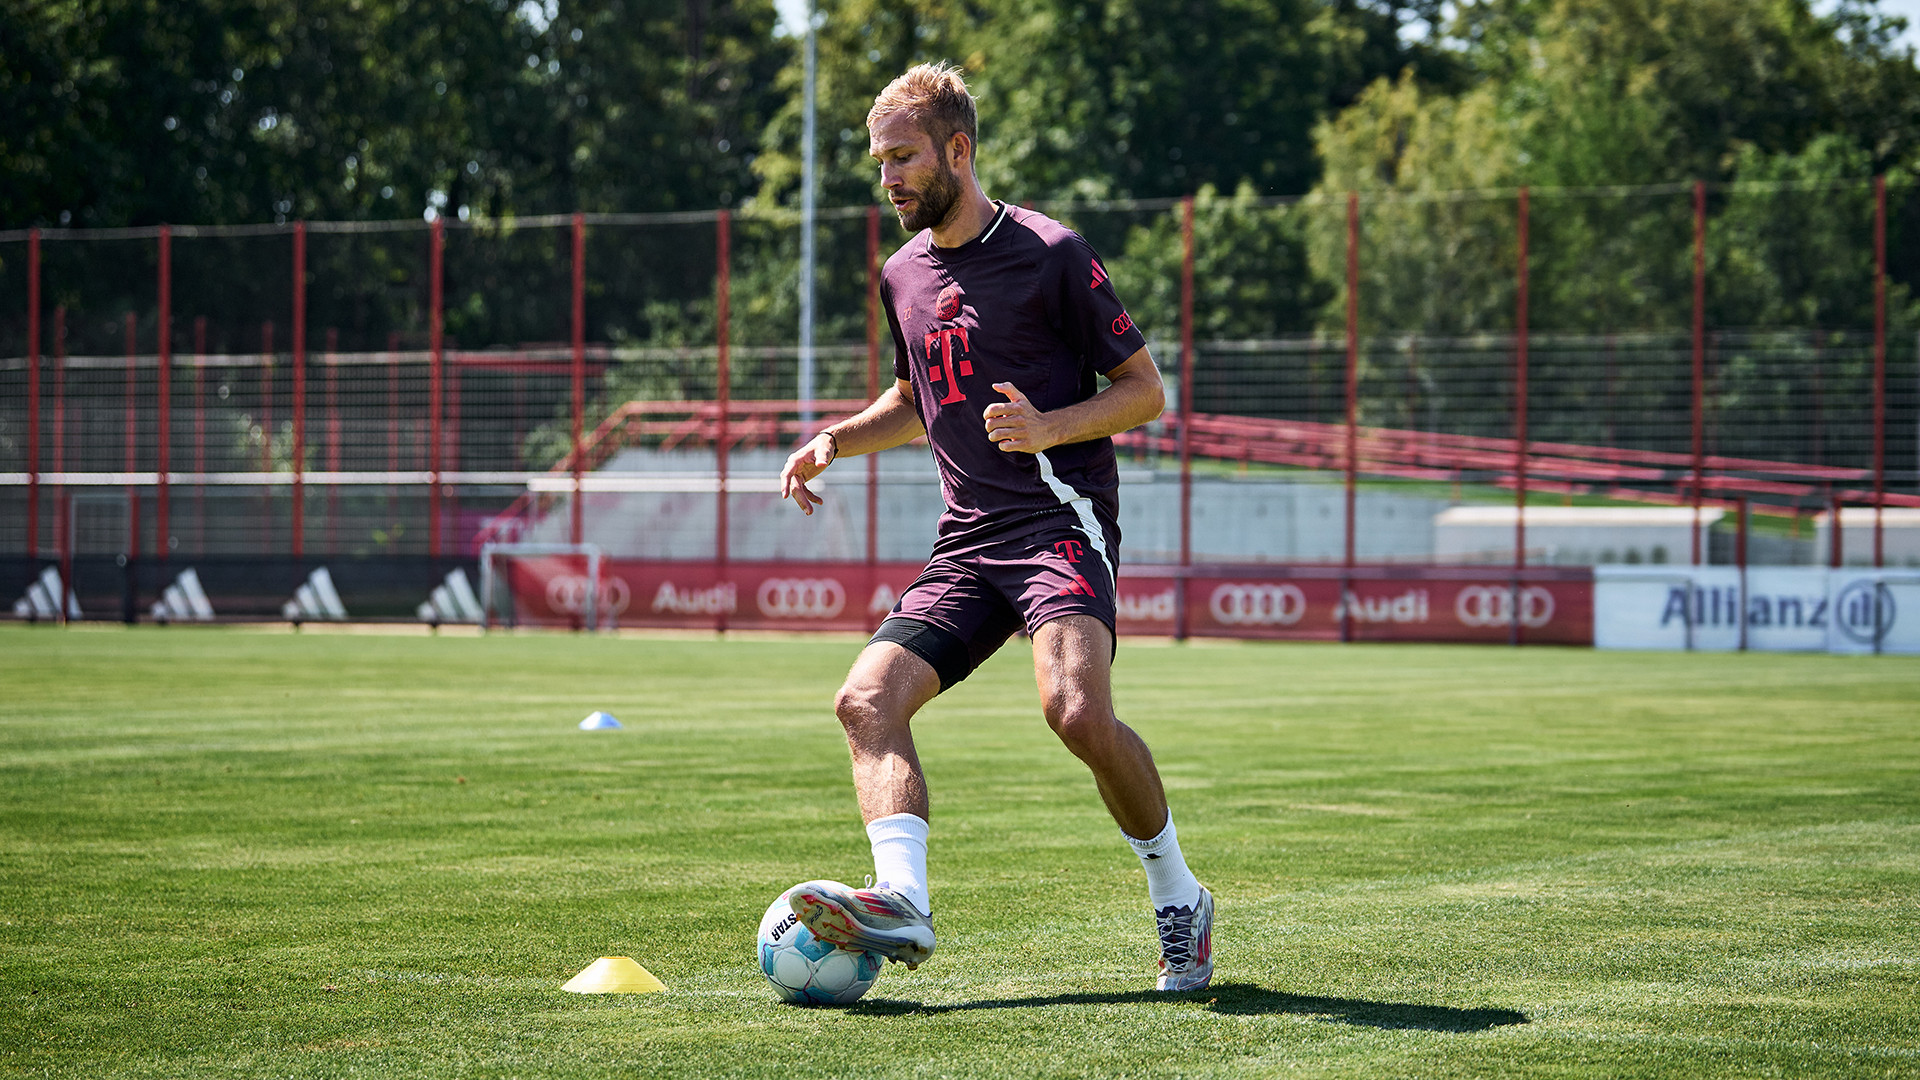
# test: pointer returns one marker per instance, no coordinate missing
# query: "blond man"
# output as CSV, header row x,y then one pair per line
x,y
1001,320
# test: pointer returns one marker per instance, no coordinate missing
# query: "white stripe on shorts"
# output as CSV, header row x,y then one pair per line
x,y
1082,506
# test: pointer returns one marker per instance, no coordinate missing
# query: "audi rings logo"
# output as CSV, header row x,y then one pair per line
x,y
1257,605
801,598
567,594
1492,605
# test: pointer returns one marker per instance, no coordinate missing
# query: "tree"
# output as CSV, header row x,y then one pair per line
x,y
213,111
1588,93
1082,99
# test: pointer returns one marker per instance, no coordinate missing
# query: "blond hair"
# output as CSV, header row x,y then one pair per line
x,y
935,96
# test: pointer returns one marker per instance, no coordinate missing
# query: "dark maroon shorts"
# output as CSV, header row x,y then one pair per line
x,y
964,606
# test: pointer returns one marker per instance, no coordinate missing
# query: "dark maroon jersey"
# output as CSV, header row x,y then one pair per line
x,y
1026,302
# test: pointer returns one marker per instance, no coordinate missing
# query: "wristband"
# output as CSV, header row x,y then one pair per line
x,y
835,440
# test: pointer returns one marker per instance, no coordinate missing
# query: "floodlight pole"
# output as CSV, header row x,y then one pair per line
x,y
436,257
1353,405
1186,418
873,389
579,368
1519,426
299,387
33,400
808,196
723,289
163,392
1699,354
1879,374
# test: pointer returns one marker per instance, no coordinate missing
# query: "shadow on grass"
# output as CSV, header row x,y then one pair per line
x,y
1243,999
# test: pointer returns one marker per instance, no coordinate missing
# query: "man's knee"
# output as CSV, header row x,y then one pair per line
x,y
1085,725
869,705
861,706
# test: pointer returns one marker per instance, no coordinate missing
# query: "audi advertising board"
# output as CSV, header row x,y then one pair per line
x,y
1302,603
695,595
1768,609
1378,603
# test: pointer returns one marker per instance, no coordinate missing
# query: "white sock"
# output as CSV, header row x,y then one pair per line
x,y
1169,882
900,856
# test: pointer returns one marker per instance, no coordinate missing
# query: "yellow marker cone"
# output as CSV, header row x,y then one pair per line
x,y
614,975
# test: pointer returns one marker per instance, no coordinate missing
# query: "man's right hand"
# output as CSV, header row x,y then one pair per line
x,y
803,465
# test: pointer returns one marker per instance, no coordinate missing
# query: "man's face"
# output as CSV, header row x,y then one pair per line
x,y
922,185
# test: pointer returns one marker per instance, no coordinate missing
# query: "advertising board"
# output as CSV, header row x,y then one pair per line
x,y
1767,609
1300,603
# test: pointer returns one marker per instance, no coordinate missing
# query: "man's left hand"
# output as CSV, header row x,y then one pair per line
x,y
1017,424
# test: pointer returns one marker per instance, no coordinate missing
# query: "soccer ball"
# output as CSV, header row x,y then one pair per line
x,y
807,971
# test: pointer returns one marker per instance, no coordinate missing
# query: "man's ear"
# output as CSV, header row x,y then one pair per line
x,y
959,149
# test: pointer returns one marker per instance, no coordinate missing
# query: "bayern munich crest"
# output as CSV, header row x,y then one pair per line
x,y
947,305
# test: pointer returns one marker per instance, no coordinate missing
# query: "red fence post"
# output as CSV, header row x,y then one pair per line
x,y
60,392
33,399
132,437
61,541
266,396
163,392
1699,354
1740,560
435,259
1186,418
299,387
579,367
1879,366
723,292
266,425
333,437
1353,405
1834,550
393,403
873,384
200,428
1519,424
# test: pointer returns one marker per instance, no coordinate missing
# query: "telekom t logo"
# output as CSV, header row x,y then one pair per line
x,y
944,367
1069,549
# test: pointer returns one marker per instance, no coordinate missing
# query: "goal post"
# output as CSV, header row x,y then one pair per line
x,y
589,608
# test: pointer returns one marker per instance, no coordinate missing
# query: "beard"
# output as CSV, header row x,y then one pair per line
x,y
934,204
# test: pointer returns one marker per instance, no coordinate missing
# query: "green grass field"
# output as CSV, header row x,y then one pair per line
x,y
250,853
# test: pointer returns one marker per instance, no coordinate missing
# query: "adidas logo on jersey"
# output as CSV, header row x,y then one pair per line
x,y
1099,275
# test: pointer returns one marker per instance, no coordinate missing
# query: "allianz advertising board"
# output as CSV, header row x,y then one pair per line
x,y
1768,609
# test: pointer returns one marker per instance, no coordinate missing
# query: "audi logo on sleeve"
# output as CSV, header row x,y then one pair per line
x,y
801,598
1492,605
1238,604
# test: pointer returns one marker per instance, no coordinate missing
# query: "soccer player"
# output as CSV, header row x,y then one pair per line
x,y
1001,318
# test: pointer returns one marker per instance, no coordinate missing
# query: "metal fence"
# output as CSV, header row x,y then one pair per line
x,y
1352,365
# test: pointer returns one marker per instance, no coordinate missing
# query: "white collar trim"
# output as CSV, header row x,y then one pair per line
x,y
984,237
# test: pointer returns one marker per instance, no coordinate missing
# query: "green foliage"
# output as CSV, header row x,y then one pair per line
x,y
1250,277
230,852
1584,94
1141,98
247,110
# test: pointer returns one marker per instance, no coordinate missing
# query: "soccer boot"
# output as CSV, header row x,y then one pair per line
x,y
875,920
1186,944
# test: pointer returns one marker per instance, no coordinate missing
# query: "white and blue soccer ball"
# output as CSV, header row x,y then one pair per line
x,y
807,971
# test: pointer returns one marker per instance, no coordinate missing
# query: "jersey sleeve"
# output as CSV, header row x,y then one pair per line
x,y
1092,319
901,365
